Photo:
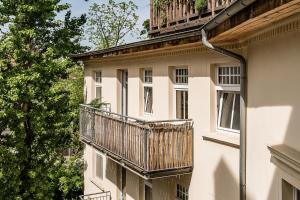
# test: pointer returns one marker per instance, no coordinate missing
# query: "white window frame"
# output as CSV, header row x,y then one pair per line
x,y
95,167
98,84
294,188
179,87
225,88
150,85
185,193
295,193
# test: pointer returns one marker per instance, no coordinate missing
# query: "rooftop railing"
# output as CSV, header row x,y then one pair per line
x,y
182,14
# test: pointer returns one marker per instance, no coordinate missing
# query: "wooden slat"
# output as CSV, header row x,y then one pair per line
x,y
169,146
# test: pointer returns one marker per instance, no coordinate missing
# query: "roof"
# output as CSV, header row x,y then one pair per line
x,y
230,18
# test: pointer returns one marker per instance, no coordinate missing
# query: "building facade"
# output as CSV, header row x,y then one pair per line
x,y
171,125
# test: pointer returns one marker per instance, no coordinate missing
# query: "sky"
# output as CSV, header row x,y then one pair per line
x,y
80,6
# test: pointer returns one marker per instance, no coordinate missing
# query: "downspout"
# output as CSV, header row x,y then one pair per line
x,y
243,104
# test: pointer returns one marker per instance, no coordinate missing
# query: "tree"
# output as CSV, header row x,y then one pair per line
x,y
146,28
108,24
37,119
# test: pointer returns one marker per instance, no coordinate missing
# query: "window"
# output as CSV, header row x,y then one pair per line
x,y
181,104
147,76
99,166
98,85
98,77
148,91
228,98
289,192
181,92
181,76
182,193
148,190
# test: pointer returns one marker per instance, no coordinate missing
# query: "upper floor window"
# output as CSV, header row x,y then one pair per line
x,y
148,76
181,92
289,192
98,77
98,85
148,91
181,76
228,98
182,193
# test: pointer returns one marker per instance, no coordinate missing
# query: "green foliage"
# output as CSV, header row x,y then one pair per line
x,y
199,4
96,103
161,3
38,112
109,23
146,29
69,179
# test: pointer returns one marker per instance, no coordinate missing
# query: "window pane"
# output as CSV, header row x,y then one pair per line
x,y
229,75
99,166
148,76
98,77
226,110
98,93
186,105
236,116
148,98
148,193
181,104
182,193
181,76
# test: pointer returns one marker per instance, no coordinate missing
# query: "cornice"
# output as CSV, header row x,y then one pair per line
x,y
276,29
286,158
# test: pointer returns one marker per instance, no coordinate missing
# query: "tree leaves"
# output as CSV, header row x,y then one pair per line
x,y
108,24
38,113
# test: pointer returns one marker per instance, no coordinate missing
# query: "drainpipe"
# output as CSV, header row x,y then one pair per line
x,y
243,103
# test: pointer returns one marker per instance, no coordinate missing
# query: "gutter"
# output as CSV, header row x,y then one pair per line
x,y
234,8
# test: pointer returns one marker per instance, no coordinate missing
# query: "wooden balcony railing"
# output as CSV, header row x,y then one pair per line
x,y
148,146
182,14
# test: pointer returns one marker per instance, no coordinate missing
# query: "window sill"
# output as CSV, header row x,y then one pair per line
x,y
228,139
286,158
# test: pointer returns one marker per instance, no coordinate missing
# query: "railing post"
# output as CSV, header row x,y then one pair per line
x,y
93,113
146,152
213,6
123,136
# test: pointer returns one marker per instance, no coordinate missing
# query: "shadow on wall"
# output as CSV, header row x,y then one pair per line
x,y
111,171
275,101
226,186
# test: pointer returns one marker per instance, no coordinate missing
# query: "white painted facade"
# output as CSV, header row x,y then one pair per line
x,y
273,115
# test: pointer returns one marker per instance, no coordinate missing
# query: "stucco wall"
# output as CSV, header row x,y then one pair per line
x,y
272,117
273,109
223,160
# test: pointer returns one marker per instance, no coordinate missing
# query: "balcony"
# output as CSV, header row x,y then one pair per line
x,y
96,196
150,148
179,15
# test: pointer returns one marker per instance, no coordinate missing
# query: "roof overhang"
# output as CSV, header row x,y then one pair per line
x,y
230,25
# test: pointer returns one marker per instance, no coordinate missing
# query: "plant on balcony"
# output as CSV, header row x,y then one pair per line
x,y
199,4
162,6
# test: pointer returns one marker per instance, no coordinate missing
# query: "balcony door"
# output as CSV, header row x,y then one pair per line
x,y
124,92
